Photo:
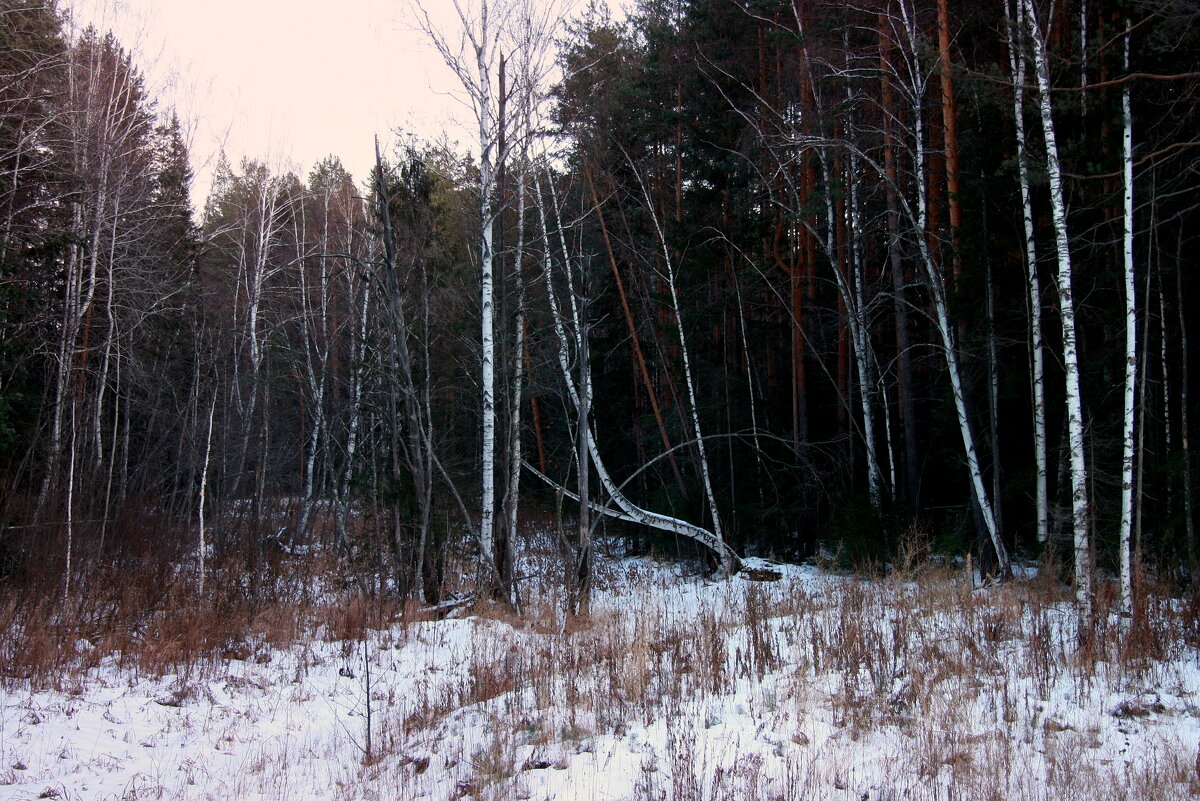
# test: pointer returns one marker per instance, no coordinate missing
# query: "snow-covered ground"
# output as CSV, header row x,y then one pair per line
x,y
812,686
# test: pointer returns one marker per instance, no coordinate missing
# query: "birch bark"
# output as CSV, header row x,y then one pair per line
x,y
1080,511
628,510
1130,345
937,291
1016,60
687,373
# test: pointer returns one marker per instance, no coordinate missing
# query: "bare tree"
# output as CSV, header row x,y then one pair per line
x,y
1131,316
492,34
1016,57
1080,504
106,129
625,509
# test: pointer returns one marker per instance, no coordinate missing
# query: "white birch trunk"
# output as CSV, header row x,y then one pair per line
x,y
257,269
628,510
527,30
514,421
317,345
937,291
79,290
483,43
202,551
107,354
687,374
861,337
1130,348
1038,370
70,507
357,346
852,298
1083,56
1080,512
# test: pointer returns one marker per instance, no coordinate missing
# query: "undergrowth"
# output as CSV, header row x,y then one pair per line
x,y
914,684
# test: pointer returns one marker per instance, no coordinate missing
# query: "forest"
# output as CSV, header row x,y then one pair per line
x,y
810,376
830,273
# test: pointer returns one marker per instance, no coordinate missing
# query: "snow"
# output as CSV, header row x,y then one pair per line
x,y
811,686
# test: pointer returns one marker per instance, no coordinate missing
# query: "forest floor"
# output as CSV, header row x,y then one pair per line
x,y
785,682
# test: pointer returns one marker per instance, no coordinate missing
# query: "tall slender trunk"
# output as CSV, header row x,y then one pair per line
x,y
1083,57
202,549
487,213
1017,66
1140,425
950,136
635,340
904,367
78,292
1164,358
357,344
107,355
861,338
317,355
580,581
834,246
701,448
750,386
626,510
256,267
840,261
513,494
501,544
1130,346
70,507
1189,511
946,332
535,407
804,287
1080,505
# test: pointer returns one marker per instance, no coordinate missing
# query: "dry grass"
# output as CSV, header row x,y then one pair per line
x,y
911,686
155,621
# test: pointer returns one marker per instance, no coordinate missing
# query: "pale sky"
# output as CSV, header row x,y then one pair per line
x,y
288,81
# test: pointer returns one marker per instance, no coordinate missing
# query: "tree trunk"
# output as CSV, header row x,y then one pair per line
x,y
628,510
904,368
1080,506
633,334
946,332
1130,348
579,596
727,564
513,493
950,136
1017,67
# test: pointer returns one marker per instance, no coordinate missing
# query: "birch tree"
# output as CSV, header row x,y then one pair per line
x,y
625,509
913,81
334,215
689,381
909,76
490,34
107,130
248,220
1015,18
1127,438
1080,502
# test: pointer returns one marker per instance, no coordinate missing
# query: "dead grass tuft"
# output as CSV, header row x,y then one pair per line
x,y
924,685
